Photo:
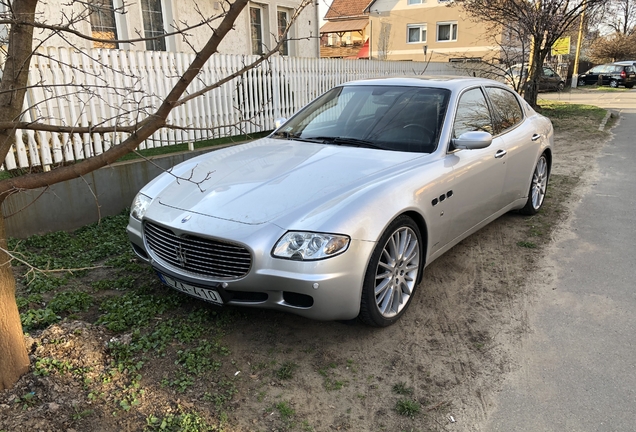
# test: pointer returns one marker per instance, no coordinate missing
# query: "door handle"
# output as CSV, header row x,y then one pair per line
x,y
536,137
500,154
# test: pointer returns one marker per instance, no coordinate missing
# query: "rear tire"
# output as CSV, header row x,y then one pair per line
x,y
392,274
538,187
613,83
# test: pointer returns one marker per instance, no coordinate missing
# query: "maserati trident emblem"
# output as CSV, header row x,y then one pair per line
x,y
180,253
185,219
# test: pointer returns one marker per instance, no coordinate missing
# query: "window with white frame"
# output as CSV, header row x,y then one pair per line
x,y
416,33
152,16
411,2
256,29
282,17
102,17
447,31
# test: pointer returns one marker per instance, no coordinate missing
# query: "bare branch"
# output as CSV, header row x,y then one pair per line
x,y
67,29
145,128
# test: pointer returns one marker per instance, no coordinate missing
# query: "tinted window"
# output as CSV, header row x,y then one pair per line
x,y
472,114
548,72
508,112
389,117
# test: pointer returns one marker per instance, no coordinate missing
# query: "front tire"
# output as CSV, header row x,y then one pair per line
x,y
613,83
538,187
392,274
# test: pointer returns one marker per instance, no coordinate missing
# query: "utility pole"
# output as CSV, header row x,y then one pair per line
x,y
575,70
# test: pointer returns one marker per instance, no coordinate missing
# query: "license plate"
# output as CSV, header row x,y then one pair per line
x,y
206,294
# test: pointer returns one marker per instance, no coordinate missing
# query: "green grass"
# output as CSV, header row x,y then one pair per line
x,y
402,389
407,407
527,244
153,325
70,301
133,309
285,410
84,248
286,371
574,118
183,422
38,318
603,89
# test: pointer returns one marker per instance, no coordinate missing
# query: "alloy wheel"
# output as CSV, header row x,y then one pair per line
x,y
539,182
396,273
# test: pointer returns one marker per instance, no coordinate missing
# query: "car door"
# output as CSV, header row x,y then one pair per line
x,y
549,80
605,74
591,76
630,80
478,175
520,142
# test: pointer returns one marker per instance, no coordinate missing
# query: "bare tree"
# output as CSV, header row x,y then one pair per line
x,y
506,63
620,16
139,117
384,41
544,21
614,47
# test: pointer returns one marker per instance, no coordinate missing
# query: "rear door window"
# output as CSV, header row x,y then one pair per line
x,y
508,112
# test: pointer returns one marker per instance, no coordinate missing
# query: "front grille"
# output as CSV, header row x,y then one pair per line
x,y
197,255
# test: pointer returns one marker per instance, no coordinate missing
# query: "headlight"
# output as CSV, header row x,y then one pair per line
x,y
140,205
306,246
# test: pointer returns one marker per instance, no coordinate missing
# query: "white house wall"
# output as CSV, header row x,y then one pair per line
x,y
184,12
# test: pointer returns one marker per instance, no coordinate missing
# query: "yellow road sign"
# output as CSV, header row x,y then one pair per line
x,y
561,46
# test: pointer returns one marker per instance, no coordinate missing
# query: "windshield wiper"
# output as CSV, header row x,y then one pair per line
x,y
296,137
348,142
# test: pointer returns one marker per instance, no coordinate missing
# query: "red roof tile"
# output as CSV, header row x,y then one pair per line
x,y
346,9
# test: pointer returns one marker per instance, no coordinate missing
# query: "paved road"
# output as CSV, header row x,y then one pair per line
x,y
578,365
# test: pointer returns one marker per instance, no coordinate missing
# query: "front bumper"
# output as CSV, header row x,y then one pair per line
x,y
328,289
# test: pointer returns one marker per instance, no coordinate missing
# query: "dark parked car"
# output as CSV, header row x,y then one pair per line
x,y
612,74
548,81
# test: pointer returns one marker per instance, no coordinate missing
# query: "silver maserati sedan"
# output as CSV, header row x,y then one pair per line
x,y
336,214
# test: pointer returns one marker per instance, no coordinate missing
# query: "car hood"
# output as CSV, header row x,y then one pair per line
x,y
257,182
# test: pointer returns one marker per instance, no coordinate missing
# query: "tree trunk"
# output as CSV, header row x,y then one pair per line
x,y
14,361
15,71
535,70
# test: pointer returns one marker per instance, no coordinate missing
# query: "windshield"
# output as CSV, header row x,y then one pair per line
x,y
386,117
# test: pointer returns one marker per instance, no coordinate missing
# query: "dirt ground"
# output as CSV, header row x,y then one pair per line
x,y
437,369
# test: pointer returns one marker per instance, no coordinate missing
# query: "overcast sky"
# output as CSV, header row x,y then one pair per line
x,y
323,8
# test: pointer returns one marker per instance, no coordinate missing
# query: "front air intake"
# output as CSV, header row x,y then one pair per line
x,y
197,255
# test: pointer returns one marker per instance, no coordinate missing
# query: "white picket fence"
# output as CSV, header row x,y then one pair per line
x,y
114,87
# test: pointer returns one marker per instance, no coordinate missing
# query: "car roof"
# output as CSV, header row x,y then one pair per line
x,y
450,82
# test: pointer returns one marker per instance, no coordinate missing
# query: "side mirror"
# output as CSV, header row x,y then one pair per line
x,y
279,122
472,140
